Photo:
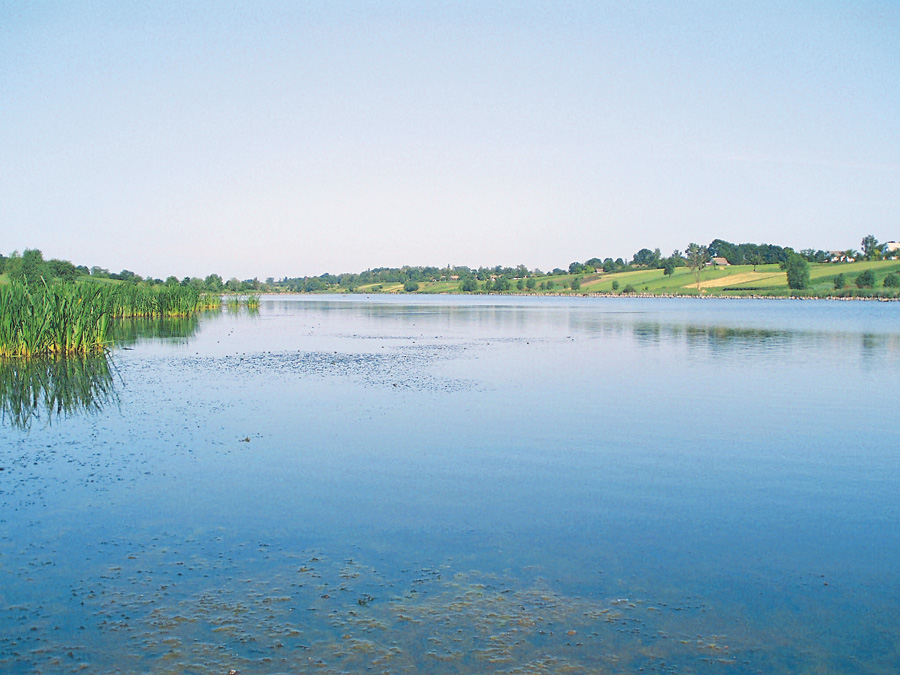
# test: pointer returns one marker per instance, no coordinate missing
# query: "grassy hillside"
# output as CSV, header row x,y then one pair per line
x,y
733,280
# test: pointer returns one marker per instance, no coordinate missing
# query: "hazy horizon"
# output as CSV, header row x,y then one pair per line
x,y
286,139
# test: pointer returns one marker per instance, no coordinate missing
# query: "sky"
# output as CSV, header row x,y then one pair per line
x,y
283,139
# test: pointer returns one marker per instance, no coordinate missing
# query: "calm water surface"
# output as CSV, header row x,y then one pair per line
x,y
460,485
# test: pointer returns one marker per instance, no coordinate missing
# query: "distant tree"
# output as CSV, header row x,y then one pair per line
x,y
669,267
171,280
576,283
29,267
63,269
530,283
839,282
645,257
697,257
233,285
520,284
13,266
797,272
865,279
411,286
615,284
468,285
870,247
629,289
891,280
3,260
214,283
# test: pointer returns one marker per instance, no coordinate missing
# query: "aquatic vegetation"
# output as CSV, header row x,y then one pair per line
x,y
59,319
132,300
53,387
233,303
257,608
65,319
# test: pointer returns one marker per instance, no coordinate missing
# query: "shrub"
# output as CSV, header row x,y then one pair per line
x,y
411,286
615,285
839,282
892,280
629,289
865,279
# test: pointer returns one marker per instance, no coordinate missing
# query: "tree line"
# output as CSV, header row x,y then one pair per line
x,y
31,267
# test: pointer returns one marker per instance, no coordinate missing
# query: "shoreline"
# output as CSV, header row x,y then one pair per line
x,y
691,296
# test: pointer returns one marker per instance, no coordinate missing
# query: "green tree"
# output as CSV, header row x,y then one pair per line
x,y
468,285
839,281
530,283
214,283
576,283
29,267
615,285
63,269
865,279
870,247
697,257
797,272
411,286
669,267
891,280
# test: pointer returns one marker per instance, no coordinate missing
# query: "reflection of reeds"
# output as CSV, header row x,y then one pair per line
x,y
131,330
53,386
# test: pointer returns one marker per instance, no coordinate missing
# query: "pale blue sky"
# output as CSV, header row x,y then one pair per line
x,y
283,139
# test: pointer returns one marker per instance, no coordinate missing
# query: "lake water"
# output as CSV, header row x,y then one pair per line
x,y
460,485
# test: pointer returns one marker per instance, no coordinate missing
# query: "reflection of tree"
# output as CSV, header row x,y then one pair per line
x,y
54,387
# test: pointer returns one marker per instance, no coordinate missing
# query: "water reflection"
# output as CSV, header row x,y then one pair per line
x,y
55,387
131,331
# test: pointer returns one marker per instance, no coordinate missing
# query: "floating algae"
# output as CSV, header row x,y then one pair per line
x,y
303,610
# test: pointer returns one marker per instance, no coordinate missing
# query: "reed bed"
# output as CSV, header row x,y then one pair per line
x,y
60,319
234,303
65,319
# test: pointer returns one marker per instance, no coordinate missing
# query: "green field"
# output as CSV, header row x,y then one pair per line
x,y
732,280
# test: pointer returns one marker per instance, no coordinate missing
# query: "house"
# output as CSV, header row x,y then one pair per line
x,y
719,262
891,246
839,256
